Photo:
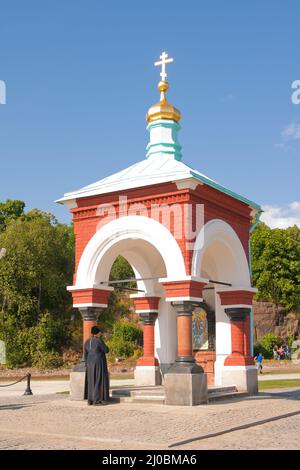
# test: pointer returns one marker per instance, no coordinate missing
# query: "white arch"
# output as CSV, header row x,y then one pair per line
x,y
129,228
216,232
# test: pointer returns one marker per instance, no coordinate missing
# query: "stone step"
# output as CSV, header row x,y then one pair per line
x,y
219,389
149,399
120,392
226,395
157,394
132,391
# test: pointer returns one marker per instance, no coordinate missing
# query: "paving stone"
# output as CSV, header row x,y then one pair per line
x,y
54,422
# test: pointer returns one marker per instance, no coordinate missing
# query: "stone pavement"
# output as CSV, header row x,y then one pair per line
x,y
47,387
267,421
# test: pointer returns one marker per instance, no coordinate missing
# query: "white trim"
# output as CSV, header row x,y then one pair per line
x,y
94,286
189,183
192,299
183,279
141,295
90,304
237,306
69,203
154,310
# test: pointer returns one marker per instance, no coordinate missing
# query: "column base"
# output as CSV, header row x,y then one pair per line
x,y
243,377
182,366
147,376
185,388
77,382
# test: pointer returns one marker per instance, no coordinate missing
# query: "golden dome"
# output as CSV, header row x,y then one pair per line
x,y
163,109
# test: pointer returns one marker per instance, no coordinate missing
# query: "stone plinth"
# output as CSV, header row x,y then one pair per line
x,y
187,389
77,383
243,377
147,376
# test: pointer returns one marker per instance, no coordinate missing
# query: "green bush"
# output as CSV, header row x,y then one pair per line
x,y
138,353
119,347
258,349
50,334
128,332
266,345
127,337
47,360
290,340
37,345
268,342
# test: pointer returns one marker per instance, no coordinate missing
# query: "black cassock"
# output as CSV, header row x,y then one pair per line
x,y
97,381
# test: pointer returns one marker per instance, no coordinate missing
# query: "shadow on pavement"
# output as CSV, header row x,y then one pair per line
x,y
15,406
235,428
292,394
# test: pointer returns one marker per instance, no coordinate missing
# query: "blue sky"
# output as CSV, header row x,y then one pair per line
x,y
80,77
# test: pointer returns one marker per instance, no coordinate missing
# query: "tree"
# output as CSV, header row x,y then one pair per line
x,y
119,303
10,210
276,265
33,277
121,270
38,264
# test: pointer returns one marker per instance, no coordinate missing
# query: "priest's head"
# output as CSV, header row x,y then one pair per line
x,y
95,331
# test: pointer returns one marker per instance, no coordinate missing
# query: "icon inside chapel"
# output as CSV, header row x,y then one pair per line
x,y
200,329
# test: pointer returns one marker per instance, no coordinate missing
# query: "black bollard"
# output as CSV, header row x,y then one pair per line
x,y
28,390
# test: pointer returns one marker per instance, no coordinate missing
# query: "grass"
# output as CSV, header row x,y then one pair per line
x,y
121,375
286,383
282,371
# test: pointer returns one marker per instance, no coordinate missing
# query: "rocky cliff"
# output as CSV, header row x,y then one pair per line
x,y
268,318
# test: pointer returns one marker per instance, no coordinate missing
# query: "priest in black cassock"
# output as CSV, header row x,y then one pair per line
x,y
97,381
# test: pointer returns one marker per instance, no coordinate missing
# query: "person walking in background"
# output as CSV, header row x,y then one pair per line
x,y
275,352
97,380
287,352
259,359
281,352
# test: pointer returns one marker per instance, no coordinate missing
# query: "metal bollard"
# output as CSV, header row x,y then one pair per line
x,y
28,390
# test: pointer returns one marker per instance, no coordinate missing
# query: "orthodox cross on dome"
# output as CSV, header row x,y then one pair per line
x,y
163,109
165,59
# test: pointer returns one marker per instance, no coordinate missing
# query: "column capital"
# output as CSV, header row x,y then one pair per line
x,y
237,313
90,313
148,318
184,307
